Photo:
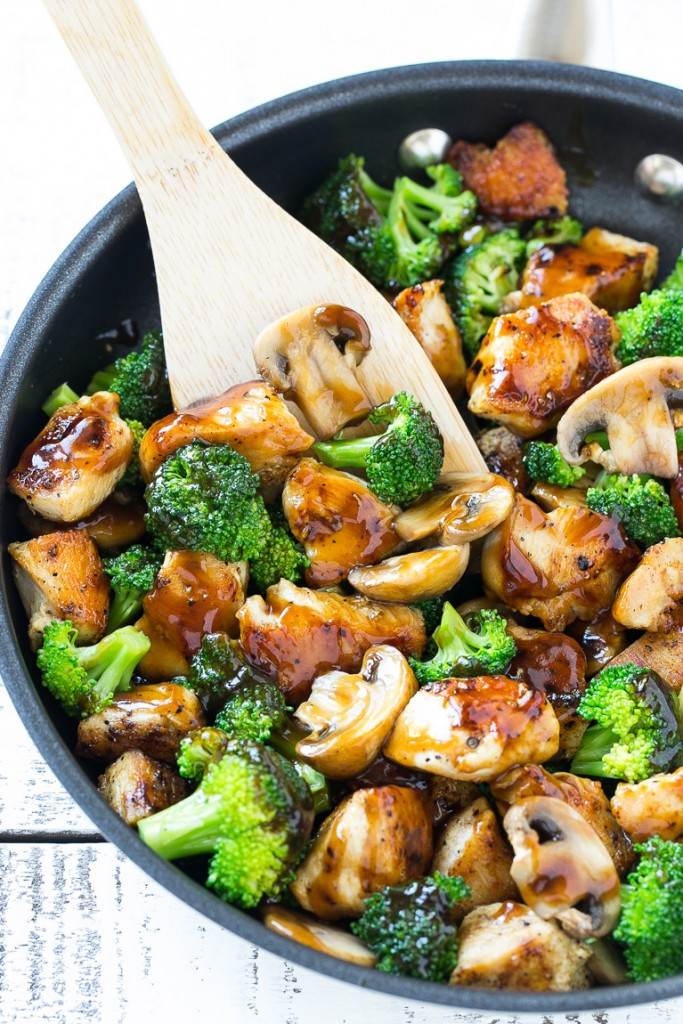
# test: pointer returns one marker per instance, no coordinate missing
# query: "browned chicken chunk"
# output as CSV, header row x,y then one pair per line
x,y
76,461
651,808
506,945
151,719
519,179
374,838
251,418
136,786
115,524
472,729
61,576
532,364
338,519
297,634
424,310
561,566
650,597
610,269
662,652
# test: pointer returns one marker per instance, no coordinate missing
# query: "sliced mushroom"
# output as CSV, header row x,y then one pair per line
x,y
632,406
350,716
562,867
649,597
549,496
115,524
601,639
425,312
462,508
323,937
413,576
310,356
136,786
651,808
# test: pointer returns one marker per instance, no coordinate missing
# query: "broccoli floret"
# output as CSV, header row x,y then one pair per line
x,y
637,731
199,750
131,478
409,927
652,328
253,711
674,282
85,679
220,669
478,646
140,379
131,575
63,395
639,502
282,558
651,923
478,280
543,461
431,611
553,232
403,462
443,206
251,812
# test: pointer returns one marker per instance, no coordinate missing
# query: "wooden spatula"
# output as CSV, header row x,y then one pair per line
x,y
228,260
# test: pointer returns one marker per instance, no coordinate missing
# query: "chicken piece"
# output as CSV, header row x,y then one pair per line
x,y
532,364
194,594
473,846
251,418
61,576
425,312
115,524
554,664
662,652
609,269
373,838
150,718
585,795
649,598
559,566
472,729
338,519
297,634
502,451
653,807
136,786
601,639
76,461
519,179
507,946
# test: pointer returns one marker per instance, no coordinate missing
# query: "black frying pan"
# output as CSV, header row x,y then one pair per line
x,y
602,124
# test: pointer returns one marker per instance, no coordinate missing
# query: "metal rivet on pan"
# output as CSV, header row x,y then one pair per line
x,y
424,147
660,176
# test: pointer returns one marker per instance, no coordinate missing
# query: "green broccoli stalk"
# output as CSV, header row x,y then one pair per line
x,y
62,395
472,647
140,379
85,679
131,575
251,812
478,280
639,502
563,231
637,730
131,478
652,328
674,282
543,462
220,669
651,924
403,462
199,750
409,927
443,206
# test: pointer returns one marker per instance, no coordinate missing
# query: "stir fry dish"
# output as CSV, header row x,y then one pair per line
x,y
426,722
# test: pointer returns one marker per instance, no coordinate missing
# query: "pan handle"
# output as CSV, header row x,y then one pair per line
x,y
569,31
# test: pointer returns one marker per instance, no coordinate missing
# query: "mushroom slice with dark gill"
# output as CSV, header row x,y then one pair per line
x,y
461,508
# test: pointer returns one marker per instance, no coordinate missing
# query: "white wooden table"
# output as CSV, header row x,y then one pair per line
x,y
84,936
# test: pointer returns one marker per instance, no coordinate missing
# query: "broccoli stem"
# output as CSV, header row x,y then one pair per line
x,y
432,200
597,742
63,395
378,196
124,607
351,452
111,662
102,380
285,743
186,829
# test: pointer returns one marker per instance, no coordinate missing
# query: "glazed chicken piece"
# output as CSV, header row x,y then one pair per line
x,y
373,838
297,634
472,729
506,945
338,519
532,364
61,576
651,808
424,310
519,179
151,719
251,418
115,524
76,461
662,652
473,846
136,786
502,451
650,598
585,795
194,594
559,566
609,269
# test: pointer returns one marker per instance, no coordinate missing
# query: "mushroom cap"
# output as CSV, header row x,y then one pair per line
x,y
648,598
462,507
412,576
326,938
632,406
